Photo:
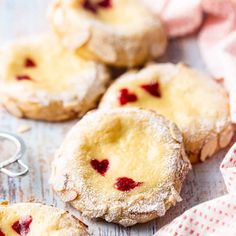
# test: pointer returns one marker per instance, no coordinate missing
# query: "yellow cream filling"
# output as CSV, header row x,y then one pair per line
x,y
54,71
38,225
183,100
125,13
133,150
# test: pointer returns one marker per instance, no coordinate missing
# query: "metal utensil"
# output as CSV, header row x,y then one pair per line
x,y
15,158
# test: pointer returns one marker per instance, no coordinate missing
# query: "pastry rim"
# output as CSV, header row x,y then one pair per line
x,y
39,104
68,217
94,33
221,134
124,214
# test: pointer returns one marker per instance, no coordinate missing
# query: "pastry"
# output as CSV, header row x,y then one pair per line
x,y
124,165
197,104
41,80
33,219
116,32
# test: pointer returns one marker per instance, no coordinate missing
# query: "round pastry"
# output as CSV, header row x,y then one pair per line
x,y
116,32
36,219
197,104
41,80
124,165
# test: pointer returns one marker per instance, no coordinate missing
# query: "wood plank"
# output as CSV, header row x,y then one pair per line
x,y
22,17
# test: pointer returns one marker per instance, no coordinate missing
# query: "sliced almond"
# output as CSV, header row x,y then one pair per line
x,y
105,51
77,40
226,136
175,195
185,157
175,133
68,195
12,108
209,147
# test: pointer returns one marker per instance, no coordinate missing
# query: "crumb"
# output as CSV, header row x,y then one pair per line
x,y
23,128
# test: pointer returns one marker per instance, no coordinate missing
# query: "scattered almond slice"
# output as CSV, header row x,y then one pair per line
x,y
23,128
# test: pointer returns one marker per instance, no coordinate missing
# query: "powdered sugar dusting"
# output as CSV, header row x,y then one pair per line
x,y
188,109
120,207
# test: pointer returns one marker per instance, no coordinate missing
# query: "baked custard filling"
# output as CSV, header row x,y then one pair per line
x,y
124,157
45,67
115,12
179,99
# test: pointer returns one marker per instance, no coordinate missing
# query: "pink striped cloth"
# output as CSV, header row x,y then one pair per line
x,y
216,217
216,21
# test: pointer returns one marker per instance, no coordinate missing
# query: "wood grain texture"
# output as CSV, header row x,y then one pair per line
x,y
23,17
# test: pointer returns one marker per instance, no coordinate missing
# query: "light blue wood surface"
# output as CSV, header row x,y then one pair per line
x,y
19,18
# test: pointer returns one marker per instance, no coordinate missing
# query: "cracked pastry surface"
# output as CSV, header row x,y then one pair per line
x,y
116,32
124,165
197,104
39,79
33,219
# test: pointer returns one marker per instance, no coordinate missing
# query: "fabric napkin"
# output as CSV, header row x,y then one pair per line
x,y
216,22
216,217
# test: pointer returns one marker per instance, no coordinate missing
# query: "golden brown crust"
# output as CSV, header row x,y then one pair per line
x,y
113,45
140,205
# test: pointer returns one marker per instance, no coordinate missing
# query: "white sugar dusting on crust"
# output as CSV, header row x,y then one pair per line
x,y
200,106
78,90
122,208
145,38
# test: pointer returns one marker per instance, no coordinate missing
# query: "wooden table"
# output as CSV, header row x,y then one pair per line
x,y
22,17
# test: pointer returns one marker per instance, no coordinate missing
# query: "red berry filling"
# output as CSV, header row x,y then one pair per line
x,y
23,77
153,89
29,63
126,97
105,3
93,6
1,233
89,6
22,226
100,166
126,184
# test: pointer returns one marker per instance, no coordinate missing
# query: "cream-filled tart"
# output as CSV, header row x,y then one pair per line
x,y
196,103
124,165
116,32
35,219
40,79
